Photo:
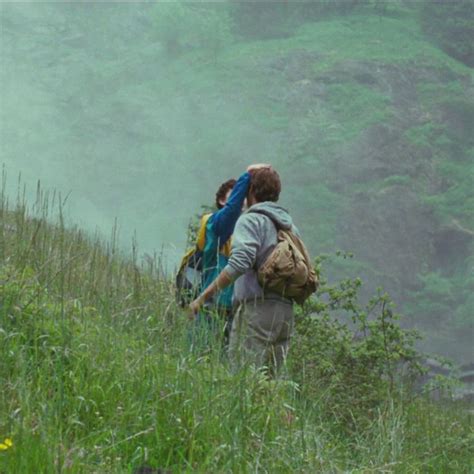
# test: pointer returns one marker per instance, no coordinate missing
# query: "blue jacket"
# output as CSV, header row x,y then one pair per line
x,y
219,229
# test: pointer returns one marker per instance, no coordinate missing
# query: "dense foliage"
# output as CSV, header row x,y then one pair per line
x,y
97,376
356,357
365,107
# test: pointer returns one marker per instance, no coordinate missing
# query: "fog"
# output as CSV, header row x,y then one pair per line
x,y
138,111
63,122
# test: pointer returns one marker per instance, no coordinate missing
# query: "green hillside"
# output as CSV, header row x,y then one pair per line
x,y
365,108
98,375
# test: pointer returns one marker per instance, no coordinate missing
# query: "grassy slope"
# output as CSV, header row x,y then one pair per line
x,y
94,362
97,376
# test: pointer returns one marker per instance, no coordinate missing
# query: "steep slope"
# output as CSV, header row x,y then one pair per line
x,y
98,375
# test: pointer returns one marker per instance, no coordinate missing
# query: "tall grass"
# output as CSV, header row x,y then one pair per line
x,y
97,375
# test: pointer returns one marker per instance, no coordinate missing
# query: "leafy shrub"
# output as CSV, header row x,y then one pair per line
x,y
355,372
85,390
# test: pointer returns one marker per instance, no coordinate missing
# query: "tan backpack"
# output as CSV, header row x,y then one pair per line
x,y
288,271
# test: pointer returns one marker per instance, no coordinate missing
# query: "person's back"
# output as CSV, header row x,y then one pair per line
x,y
263,321
220,225
257,229
215,254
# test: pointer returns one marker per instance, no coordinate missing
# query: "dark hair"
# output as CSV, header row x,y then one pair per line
x,y
265,185
223,190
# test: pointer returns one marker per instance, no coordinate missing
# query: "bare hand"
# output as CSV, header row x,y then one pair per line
x,y
258,166
194,307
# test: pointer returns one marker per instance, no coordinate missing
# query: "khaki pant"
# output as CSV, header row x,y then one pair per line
x,y
260,334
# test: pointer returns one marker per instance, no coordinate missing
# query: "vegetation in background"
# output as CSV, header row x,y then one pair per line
x,y
97,375
451,25
185,27
352,356
363,106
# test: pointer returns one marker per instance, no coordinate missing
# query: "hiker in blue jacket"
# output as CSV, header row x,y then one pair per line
x,y
264,319
219,226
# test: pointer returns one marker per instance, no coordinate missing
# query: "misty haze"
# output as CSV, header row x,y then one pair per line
x,y
135,113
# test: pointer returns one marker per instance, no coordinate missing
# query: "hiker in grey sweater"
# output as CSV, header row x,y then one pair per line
x,y
263,321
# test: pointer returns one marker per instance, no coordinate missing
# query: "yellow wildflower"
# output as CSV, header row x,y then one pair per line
x,y
7,444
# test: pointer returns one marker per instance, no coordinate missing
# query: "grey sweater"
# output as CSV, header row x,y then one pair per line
x,y
255,236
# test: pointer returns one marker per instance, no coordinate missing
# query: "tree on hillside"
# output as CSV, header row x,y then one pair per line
x,y
183,26
451,26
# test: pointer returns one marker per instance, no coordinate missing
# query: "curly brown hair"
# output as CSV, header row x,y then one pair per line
x,y
265,185
223,190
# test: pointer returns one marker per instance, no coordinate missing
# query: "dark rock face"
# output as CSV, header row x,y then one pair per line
x,y
449,243
465,392
296,67
380,168
387,170
450,25
458,118
394,223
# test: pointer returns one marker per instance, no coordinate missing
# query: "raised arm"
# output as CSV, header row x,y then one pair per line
x,y
223,221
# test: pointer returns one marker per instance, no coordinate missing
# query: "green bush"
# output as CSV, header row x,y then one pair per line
x,y
104,381
355,370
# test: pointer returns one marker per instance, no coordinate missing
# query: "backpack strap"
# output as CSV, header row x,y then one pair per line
x,y
275,223
199,247
201,236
